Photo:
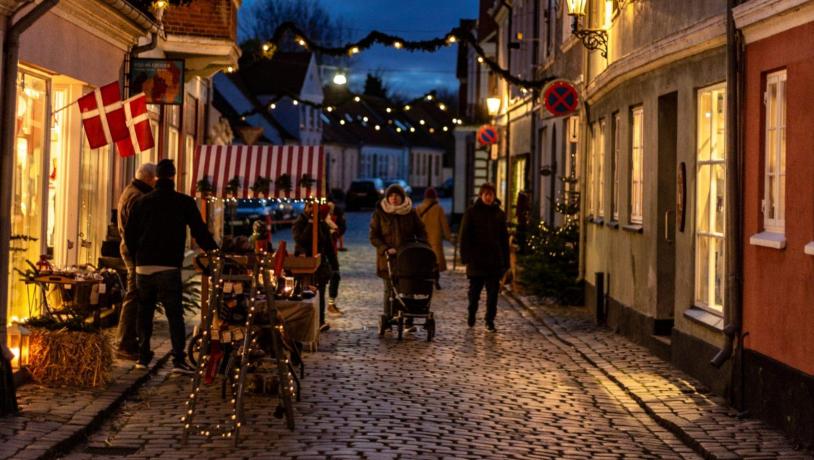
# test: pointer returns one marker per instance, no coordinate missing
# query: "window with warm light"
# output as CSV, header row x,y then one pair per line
x,y
636,166
774,200
589,173
599,132
710,203
616,142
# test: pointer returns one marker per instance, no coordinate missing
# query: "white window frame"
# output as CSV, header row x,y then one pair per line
x,y
637,165
774,196
705,289
617,152
600,168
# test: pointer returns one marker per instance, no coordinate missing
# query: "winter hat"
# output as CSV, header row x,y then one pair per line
x,y
430,194
165,169
487,187
395,188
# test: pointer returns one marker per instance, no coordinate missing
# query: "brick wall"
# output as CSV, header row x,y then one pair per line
x,y
206,18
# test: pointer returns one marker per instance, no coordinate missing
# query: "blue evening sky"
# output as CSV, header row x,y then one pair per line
x,y
410,74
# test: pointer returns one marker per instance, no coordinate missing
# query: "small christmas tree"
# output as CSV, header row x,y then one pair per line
x,y
551,259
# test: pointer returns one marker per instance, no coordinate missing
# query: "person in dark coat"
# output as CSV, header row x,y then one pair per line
x,y
126,333
393,224
302,231
484,245
155,235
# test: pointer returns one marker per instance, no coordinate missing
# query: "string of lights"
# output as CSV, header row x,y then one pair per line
x,y
376,37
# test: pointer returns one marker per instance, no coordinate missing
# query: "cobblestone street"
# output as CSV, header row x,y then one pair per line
x,y
521,393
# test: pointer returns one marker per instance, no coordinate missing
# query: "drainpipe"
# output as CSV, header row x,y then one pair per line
x,y
11,52
536,183
733,312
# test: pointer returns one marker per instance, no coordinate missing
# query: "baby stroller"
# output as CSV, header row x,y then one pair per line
x,y
412,278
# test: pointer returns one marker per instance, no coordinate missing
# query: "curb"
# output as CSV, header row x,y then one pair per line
x,y
670,426
116,394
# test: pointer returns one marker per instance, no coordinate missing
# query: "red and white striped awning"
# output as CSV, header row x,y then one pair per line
x,y
220,163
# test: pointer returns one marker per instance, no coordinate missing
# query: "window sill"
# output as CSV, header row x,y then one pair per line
x,y
613,224
599,221
768,240
633,228
809,248
705,318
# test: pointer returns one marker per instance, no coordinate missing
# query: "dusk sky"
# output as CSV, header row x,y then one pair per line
x,y
410,74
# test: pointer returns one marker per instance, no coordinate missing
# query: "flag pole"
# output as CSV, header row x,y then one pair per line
x,y
54,112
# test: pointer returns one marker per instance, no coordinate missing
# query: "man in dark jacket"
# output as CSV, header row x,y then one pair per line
x,y
393,224
302,231
156,235
485,252
126,335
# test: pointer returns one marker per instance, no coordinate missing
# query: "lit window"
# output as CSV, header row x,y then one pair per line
x,y
599,132
589,172
710,203
774,200
636,166
617,151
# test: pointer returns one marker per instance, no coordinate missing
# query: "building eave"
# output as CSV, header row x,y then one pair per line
x,y
204,56
114,21
759,19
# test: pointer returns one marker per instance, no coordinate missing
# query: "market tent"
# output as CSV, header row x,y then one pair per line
x,y
219,164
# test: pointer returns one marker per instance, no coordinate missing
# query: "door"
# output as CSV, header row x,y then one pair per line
x,y
666,248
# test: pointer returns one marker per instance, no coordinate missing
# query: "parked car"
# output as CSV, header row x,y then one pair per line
x,y
364,193
403,183
446,189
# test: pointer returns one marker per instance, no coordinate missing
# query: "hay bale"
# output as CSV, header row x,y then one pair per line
x,y
70,358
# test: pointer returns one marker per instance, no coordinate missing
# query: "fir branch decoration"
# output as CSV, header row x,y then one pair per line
x,y
204,186
233,185
284,182
307,181
261,185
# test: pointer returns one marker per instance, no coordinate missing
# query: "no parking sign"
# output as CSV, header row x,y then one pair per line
x,y
560,98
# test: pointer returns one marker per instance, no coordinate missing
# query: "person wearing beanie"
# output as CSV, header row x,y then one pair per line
x,y
156,235
484,245
435,222
393,224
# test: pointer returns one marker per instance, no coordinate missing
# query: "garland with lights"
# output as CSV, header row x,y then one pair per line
x,y
375,37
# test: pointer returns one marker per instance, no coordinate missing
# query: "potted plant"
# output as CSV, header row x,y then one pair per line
x,y
307,181
204,188
232,187
261,185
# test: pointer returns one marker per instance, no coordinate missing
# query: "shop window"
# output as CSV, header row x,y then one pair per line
x,y
27,200
616,130
94,200
710,202
774,199
636,165
589,173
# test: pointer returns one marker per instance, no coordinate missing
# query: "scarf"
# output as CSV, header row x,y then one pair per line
x,y
402,209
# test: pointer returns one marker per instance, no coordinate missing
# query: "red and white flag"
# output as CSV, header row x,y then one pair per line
x,y
137,120
103,115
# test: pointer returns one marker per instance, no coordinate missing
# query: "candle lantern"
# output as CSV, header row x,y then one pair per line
x,y
19,340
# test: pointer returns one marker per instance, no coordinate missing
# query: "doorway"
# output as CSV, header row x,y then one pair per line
x,y
666,248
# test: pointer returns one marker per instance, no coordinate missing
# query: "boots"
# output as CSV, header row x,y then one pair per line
x,y
333,309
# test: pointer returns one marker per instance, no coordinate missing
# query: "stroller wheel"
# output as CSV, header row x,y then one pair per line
x,y
430,326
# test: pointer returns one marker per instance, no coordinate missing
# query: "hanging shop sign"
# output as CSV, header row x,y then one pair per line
x,y
560,98
487,135
162,80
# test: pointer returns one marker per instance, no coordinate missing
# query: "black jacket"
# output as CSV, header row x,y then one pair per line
x,y
157,228
302,231
484,240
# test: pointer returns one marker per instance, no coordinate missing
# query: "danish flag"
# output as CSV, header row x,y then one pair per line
x,y
103,115
137,120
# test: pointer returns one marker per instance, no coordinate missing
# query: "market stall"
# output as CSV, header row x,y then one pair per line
x,y
257,304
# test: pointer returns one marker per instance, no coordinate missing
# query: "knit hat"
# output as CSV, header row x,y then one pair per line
x,y
395,188
430,194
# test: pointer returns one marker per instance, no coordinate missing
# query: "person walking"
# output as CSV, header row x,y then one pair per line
x,y
302,231
484,244
393,224
435,221
337,227
126,334
156,234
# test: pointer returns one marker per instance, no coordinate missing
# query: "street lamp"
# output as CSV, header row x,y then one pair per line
x,y
592,39
493,105
340,79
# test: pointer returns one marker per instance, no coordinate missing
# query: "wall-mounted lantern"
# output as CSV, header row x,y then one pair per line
x,y
592,39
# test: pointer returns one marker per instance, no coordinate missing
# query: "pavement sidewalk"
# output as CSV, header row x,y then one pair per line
x,y
677,402
53,420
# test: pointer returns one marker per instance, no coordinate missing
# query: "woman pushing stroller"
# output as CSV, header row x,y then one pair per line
x,y
394,223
